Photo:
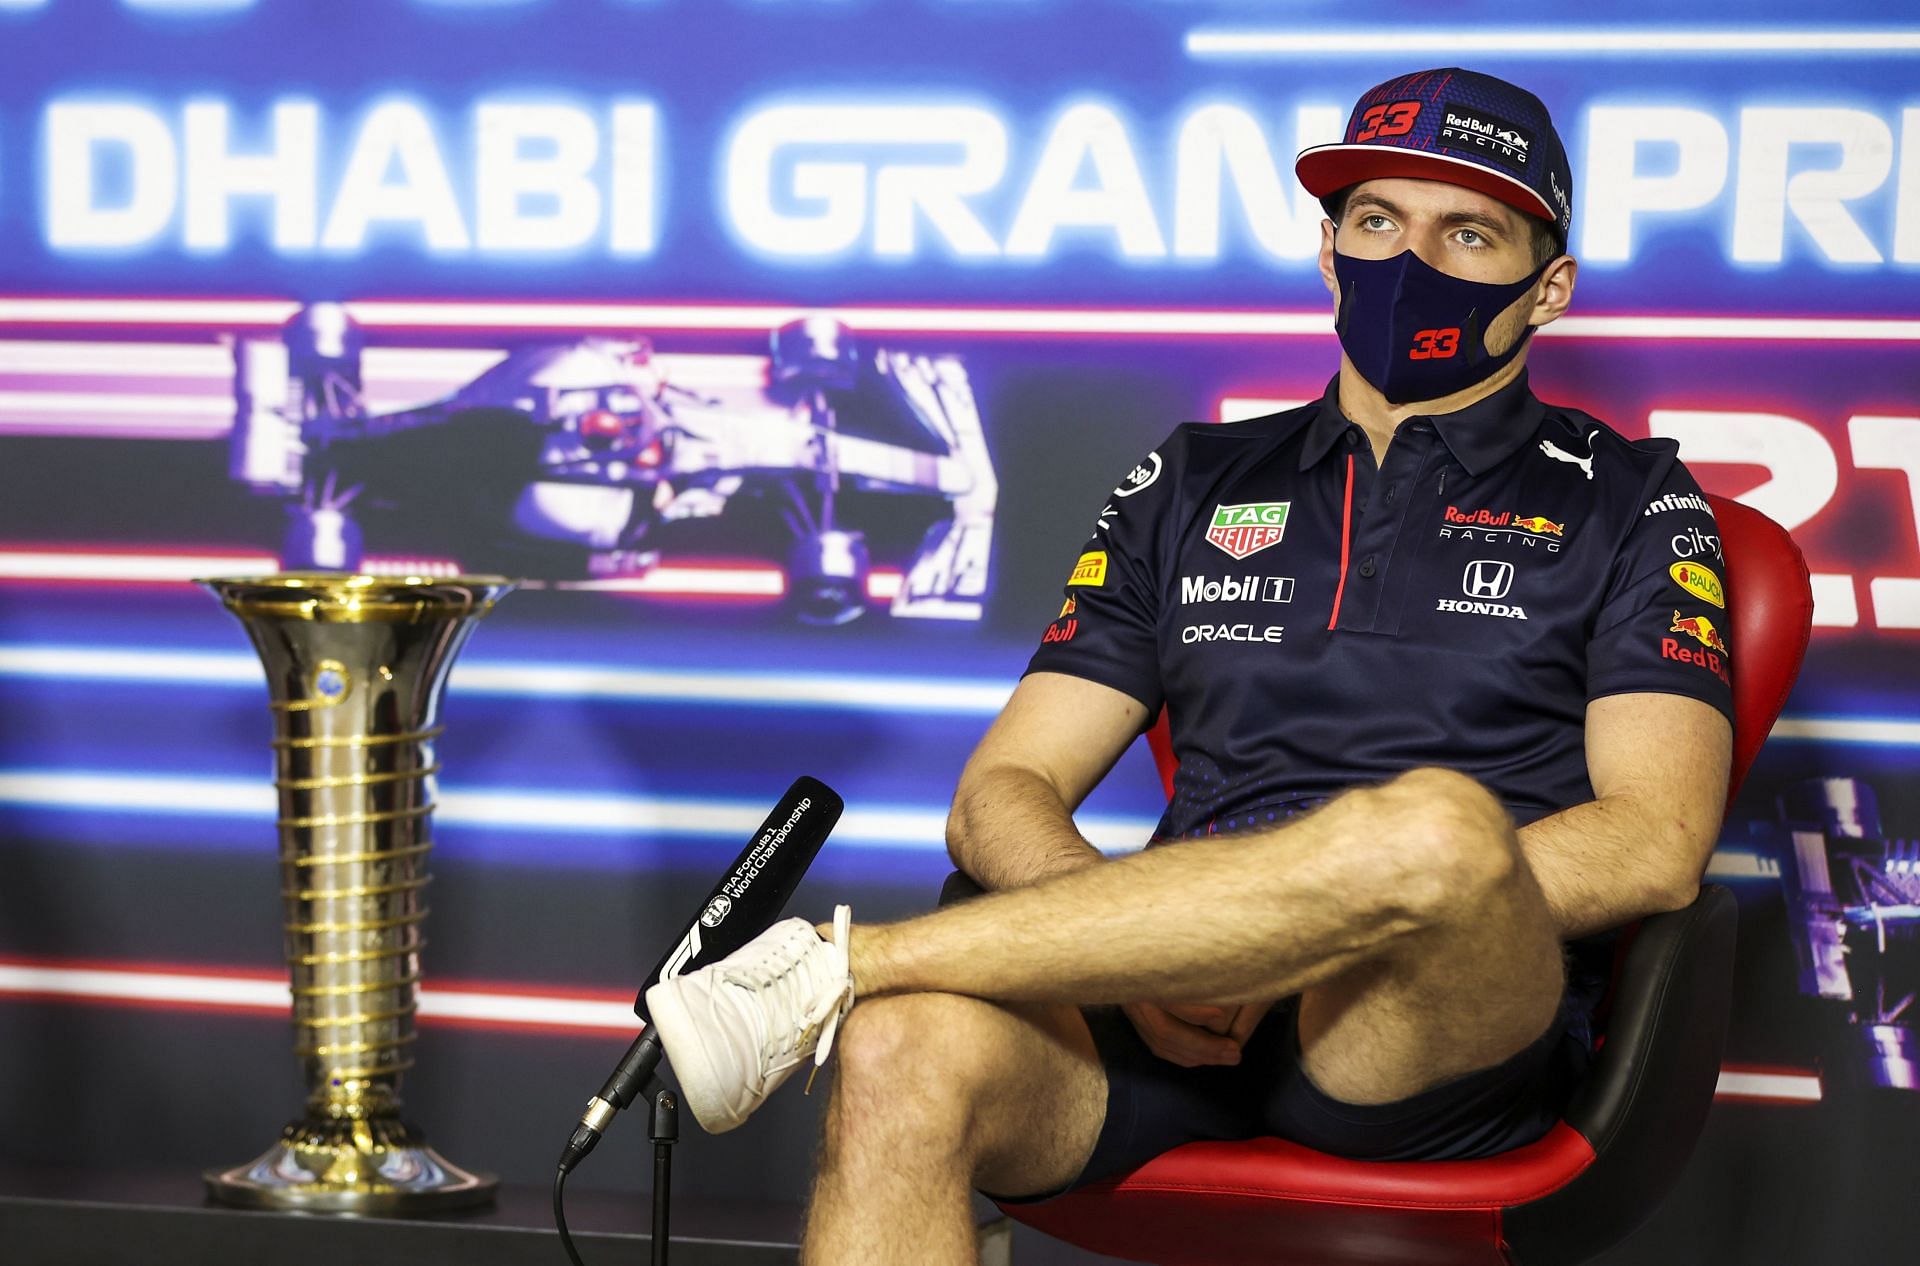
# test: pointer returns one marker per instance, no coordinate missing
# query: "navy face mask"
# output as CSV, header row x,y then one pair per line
x,y
1417,333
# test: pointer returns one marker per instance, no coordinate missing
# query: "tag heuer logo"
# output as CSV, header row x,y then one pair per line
x,y
1242,531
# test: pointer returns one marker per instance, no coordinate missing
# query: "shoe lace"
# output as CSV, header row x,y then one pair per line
x,y
791,982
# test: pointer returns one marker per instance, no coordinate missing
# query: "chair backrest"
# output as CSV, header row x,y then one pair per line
x,y
1769,614
1770,610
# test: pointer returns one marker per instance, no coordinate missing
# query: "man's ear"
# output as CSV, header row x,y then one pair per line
x,y
1326,260
1553,295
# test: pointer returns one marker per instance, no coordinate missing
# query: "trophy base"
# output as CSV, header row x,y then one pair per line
x,y
345,1166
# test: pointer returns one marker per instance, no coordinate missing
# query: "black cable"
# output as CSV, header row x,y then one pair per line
x,y
628,1079
560,1217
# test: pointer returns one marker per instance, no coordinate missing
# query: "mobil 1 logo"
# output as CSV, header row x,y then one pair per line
x,y
1235,589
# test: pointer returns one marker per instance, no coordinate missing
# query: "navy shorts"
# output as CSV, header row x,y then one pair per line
x,y
1154,1106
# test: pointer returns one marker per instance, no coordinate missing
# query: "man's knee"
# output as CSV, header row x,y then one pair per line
x,y
910,1061
1446,842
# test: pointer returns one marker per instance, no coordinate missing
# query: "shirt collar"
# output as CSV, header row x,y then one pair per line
x,y
1480,436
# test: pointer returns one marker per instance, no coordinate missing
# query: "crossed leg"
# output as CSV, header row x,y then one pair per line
x,y
1404,914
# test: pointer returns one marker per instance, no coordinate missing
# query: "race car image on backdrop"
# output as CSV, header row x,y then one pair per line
x,y
586,460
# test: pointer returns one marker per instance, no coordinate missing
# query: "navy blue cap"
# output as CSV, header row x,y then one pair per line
x,y
1457,126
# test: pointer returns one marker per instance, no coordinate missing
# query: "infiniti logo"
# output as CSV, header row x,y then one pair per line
x,y
1487,578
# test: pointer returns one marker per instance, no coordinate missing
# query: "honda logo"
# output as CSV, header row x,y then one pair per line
x,y
1487,578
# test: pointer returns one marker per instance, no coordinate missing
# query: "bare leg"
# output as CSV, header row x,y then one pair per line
x,y
933,1094
1405,915
1469,992
1230,920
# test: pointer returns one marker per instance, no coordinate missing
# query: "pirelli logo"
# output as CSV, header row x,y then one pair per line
x,y
1091,570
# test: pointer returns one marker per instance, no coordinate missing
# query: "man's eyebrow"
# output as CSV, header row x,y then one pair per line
x,y
1479,219
1372,200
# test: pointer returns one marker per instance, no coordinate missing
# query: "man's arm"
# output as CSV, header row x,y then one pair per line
x,y
1012,818
1012,825
1658,764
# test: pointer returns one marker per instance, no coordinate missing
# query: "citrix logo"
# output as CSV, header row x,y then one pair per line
x,y
1692,543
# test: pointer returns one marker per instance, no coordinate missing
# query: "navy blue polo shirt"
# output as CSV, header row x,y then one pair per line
x,y
1313,621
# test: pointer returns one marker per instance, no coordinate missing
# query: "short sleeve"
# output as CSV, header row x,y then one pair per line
x,y
1662,625
1107,628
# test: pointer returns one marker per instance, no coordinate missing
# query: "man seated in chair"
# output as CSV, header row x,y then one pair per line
x,y
1448,682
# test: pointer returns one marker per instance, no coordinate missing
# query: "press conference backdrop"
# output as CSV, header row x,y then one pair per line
x,y
573,239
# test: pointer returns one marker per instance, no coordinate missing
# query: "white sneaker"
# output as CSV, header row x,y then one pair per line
x,y
738,1028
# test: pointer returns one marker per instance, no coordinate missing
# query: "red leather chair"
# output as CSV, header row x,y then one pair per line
x,y
1595,1176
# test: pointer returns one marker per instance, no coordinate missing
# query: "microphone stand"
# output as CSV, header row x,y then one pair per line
x,y
664,1130
633,1077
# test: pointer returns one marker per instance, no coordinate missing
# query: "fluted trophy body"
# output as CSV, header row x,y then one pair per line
x,y
355,666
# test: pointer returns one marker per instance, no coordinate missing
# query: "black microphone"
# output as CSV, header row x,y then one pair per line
x,y
746,901
750,896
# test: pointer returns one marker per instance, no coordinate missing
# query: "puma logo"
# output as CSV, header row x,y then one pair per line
x,y
1562,455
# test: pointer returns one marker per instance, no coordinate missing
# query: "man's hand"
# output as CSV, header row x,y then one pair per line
x,y
1194,1035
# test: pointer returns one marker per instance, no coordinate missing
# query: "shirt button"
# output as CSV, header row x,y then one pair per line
x,y
1353,440
1390,491
1366,567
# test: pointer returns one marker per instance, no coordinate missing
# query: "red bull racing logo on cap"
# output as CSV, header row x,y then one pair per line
x,y
1244,530
1467,127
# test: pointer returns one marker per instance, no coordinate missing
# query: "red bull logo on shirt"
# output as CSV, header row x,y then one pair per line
x,y
1477,518
1701,629
1711,653
1536,524
1062,629
1532,531
1244,530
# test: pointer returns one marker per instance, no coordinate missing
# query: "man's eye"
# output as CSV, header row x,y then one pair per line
x,y
1368,220
1472,239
